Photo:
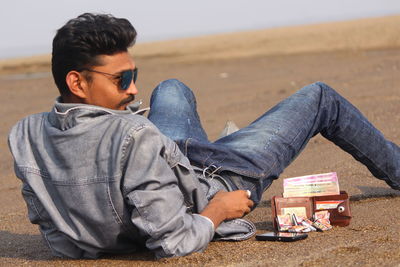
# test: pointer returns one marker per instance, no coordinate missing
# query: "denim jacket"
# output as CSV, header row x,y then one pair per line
x,y
100,181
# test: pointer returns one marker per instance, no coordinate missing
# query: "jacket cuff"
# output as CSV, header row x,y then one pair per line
x,y
210,222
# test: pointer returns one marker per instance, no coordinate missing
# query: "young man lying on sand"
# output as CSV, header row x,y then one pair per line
x,y
100,178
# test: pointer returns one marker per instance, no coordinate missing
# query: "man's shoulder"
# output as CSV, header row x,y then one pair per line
x,y
20,133
33,119
131,118
132,121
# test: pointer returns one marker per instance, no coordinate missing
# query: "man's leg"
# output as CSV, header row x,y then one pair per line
x,y
173,111
273,141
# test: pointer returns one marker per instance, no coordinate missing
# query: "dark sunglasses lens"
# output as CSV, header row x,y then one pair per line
x,y
126,79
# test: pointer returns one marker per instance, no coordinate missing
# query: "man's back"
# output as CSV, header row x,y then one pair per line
x,y
71,186
83,185
98,179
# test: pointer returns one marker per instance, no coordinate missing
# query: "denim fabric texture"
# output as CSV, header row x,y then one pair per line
x,y
100,181
254,156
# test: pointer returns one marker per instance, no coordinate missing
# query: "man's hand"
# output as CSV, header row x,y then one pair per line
x,y
227,205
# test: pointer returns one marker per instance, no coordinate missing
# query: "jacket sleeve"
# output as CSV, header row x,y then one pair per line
x,y
153,193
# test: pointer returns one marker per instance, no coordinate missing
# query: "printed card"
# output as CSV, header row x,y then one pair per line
x,y
311,185
327,204
299,211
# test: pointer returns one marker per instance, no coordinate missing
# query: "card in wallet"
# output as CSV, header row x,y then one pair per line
x,y
338,207
301,206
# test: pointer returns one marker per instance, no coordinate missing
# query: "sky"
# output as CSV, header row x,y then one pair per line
x,y
27,27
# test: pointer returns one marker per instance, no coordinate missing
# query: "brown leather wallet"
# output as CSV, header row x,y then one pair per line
x,y
338,207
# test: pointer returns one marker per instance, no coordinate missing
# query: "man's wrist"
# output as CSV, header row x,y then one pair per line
x,y
214,212
208,219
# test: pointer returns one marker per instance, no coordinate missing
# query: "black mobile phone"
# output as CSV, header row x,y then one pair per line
x,y
279,236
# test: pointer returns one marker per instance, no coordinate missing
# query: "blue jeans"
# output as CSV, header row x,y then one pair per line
x,y
254,156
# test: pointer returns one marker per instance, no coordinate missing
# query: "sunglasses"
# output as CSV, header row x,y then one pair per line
x,y
125,78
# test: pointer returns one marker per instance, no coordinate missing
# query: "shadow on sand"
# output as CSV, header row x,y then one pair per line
x,y
33,248
370,192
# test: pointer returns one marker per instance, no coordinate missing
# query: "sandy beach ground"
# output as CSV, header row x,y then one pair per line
x,y
238,77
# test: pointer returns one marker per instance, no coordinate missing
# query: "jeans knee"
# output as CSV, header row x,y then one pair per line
x,y
324,86
173,87
173,90
317,89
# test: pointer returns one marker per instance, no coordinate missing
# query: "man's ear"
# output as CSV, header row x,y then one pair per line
x,y
76,83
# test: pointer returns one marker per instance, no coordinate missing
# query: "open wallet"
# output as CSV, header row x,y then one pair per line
x,y
338,207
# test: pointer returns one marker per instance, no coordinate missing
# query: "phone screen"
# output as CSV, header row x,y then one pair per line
x,y
286,234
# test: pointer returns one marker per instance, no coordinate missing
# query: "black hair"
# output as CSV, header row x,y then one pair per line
x,y
81,40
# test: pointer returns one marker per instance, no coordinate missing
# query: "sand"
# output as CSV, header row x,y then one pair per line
x,y
239,76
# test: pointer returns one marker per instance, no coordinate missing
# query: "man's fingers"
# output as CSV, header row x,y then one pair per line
x,y
236,204
246,211
250,203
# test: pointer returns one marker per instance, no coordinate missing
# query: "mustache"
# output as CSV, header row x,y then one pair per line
x,y
127,100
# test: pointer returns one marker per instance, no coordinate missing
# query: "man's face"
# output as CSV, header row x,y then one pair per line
x,y
104,90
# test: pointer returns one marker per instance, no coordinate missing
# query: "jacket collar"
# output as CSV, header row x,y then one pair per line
x,y
67,115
